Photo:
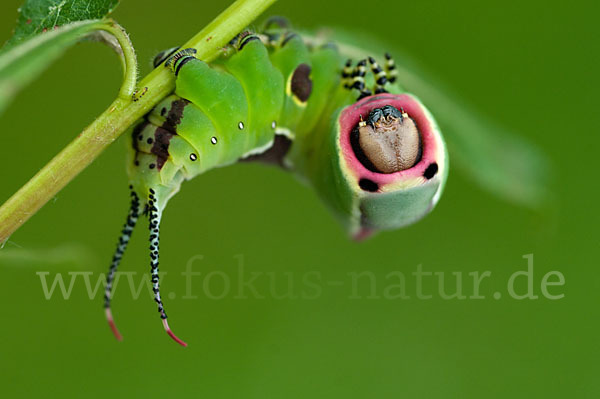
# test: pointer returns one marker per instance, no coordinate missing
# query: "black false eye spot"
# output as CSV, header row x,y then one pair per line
x,y
193,157
301,83
431,171
368,185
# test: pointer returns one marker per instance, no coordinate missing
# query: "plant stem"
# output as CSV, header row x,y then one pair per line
x,y
121,114
128,59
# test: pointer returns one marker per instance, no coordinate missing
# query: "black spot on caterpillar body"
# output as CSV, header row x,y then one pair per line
x,y
301,84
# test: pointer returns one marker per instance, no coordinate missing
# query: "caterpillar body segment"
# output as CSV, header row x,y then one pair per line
x,y
378,161
263,86
292,58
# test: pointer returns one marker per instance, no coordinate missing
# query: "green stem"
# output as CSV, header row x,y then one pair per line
x,y
127,56
121,114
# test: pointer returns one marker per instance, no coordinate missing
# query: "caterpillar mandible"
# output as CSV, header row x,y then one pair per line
x,y
373,152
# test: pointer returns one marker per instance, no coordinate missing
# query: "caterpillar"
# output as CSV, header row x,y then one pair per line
x,y
372,151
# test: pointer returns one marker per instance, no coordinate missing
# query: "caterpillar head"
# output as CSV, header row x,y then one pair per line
x,y
393,160
387,141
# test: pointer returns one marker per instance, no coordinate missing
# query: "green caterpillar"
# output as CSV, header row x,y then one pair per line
x,y
372,151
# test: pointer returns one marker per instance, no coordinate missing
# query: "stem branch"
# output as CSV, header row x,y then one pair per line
x,y
121,114
127,56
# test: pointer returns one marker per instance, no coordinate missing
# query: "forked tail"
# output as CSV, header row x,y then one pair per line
x,y
154,227
132,218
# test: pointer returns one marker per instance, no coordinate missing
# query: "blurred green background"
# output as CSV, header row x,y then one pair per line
x,y
529,66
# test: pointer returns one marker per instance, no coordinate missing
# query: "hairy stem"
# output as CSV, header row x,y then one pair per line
x,y
128,59
121,114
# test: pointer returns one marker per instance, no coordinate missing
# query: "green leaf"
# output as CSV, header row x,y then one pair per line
x,y
21,64
38,16
45,28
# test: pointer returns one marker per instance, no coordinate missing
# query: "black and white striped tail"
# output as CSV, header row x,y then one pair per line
x,y
132,218
154,226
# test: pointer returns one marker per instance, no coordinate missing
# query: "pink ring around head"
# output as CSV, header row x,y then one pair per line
x,y
351,116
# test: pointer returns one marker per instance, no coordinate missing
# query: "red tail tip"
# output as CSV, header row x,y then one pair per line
x,y
113,326
363,234
171,334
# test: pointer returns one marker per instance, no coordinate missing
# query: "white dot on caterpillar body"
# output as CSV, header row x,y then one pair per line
x,y
213,140
273,125
241,125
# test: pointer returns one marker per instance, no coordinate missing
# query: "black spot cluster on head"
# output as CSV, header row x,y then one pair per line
x,y
301,84
431,171
368,185
384,112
